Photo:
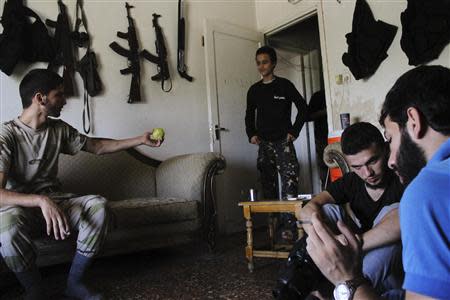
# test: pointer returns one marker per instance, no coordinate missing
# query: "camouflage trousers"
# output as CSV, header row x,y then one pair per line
x,y
86,215
278,157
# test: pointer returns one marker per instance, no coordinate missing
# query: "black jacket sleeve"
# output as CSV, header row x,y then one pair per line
x,y
250,115
302,110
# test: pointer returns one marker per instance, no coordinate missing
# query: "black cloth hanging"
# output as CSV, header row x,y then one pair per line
x,y
368,42
23,38
426,30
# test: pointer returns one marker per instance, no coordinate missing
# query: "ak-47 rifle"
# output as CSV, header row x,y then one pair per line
x,y
181,66
133,57
161,59
64,49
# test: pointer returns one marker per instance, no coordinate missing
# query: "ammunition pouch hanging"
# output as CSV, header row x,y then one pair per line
x,y
80,39
86,66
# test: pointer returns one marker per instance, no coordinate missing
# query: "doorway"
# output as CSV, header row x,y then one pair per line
x,y
299,60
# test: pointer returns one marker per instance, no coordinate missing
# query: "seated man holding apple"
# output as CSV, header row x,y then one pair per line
x,y
31,199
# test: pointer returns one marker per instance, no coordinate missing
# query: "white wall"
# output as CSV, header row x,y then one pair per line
x,y
361,98
182,112
274,13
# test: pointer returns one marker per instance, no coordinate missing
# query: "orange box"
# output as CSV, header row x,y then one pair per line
x,y
333,137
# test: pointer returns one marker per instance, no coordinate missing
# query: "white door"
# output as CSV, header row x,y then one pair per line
x,y
230,71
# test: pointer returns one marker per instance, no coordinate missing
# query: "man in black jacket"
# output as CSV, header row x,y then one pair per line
x,y
271,129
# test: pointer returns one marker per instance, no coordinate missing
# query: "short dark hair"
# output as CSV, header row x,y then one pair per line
x,y
427,88
361,136
269,51
38,81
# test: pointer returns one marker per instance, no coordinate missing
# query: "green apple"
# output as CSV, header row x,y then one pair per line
x,y
157,134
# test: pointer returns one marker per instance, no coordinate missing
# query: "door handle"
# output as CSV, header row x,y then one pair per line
x,y
218,129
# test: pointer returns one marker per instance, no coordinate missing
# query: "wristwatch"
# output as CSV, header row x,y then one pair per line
x,y
346,290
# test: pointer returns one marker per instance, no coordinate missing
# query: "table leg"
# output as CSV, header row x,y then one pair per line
x,y
249,248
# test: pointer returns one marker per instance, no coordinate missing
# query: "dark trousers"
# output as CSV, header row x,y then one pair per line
x,y
278,157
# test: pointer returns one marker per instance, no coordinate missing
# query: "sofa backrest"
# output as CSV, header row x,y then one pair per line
x,y
115,176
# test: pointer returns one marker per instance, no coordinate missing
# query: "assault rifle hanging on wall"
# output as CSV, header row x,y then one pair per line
x,y
161,59
181,66
133,57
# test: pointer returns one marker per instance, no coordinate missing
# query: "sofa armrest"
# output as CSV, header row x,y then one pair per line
x,y
191,176
183,176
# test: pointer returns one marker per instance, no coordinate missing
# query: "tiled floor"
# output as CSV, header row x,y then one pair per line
x,y
188,272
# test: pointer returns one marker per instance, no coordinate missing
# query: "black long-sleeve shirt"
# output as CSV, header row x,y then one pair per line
x,y
272,103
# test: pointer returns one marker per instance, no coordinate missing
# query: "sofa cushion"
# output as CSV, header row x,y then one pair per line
x,y
139,212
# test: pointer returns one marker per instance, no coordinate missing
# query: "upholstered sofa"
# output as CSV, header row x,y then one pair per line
x,y
154,204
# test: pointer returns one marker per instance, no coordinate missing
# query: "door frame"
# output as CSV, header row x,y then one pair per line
x,y
315,9
210,27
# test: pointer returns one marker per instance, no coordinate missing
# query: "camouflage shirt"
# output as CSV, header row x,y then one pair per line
x,y
29,156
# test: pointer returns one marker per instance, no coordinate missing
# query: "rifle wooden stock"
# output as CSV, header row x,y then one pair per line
x,y
135,89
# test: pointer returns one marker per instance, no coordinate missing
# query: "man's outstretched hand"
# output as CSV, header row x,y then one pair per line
x,y
146,140
337,257
54,218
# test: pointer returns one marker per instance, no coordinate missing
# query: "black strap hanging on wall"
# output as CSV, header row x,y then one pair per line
x,y
426,30
87,65
368,42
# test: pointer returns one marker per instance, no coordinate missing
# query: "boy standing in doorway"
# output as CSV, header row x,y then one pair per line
x,y
268,125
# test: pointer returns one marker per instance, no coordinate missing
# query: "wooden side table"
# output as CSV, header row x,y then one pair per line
x,y
278,206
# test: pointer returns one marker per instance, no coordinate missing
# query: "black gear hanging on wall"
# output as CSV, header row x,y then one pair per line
x,y
426,30
368,42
